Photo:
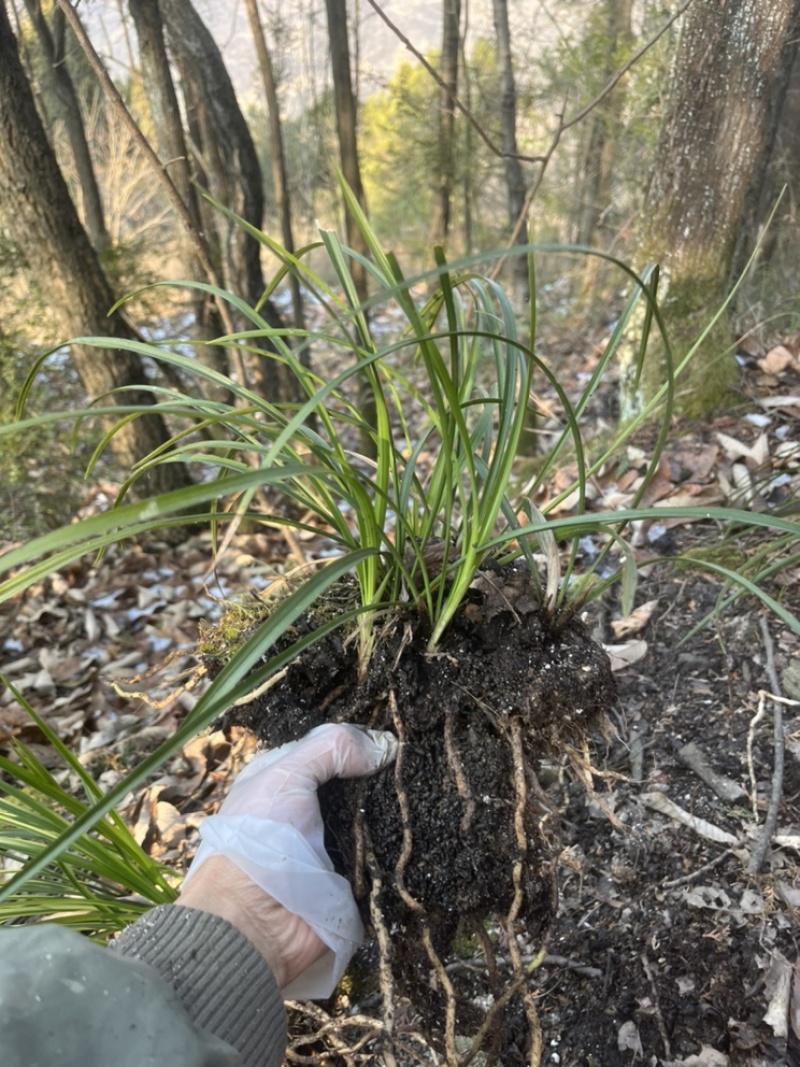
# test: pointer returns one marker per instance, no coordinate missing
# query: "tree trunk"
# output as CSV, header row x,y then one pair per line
x,y
166,116
604,126
279,181
778,165
515,179
345,105
727,59
223,142
446,173
61,102
41,218
347,129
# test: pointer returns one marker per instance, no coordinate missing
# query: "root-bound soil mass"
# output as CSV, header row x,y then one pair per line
x,y
458,831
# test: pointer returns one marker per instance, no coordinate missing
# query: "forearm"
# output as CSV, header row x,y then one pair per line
x,y
221,979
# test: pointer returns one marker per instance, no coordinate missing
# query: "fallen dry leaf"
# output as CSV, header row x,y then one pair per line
x,y
777,360
690,496
778,983
622,656
758,452
628,1039
636,621
707,1057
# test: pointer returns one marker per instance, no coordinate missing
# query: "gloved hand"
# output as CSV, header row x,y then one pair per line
x,y
262,862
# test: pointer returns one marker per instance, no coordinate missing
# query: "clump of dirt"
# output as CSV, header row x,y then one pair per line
x,y
458,830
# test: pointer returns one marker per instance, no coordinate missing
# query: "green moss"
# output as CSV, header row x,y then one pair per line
x,y
220,641
465,946
724,555
358,983
705,384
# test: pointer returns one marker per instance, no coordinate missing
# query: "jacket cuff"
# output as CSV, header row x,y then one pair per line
x,y
220,977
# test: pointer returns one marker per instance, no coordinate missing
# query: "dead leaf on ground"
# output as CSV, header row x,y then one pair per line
x,y
778,983
622,656
636,621
707,1057
628,1039
757,452
777,360
689,495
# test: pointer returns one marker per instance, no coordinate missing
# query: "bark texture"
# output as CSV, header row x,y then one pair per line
x,y
446,171
42,220
515,178
225,151
61,103
778,169
727,59
279,178
347,128
346,108
165,112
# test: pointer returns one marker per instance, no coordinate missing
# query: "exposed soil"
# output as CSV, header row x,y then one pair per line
x,y
657,957
453,830
664,950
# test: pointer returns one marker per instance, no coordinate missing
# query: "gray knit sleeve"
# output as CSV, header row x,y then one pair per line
x,y
221,979
67,1002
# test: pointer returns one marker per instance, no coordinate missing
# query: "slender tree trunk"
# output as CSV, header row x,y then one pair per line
x,y
604,126
446,172
166,116
41,218
223,141
515,179
467,176
61,102
346,109
347,128
726,63
279,180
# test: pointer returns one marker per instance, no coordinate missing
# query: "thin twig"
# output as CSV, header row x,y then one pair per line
x,y
443,85
572,965
771,821
254,694
659,1018
687,878
751,734
564,124
620,74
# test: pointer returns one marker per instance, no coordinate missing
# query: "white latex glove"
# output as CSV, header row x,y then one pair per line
x,y
271,828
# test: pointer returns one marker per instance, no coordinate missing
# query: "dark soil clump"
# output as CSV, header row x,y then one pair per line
x,y
454,831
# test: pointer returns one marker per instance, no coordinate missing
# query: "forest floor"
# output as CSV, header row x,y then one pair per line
x,y
666,951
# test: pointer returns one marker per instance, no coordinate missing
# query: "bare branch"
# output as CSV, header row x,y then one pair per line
x,y
611,84
442,85
562,123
